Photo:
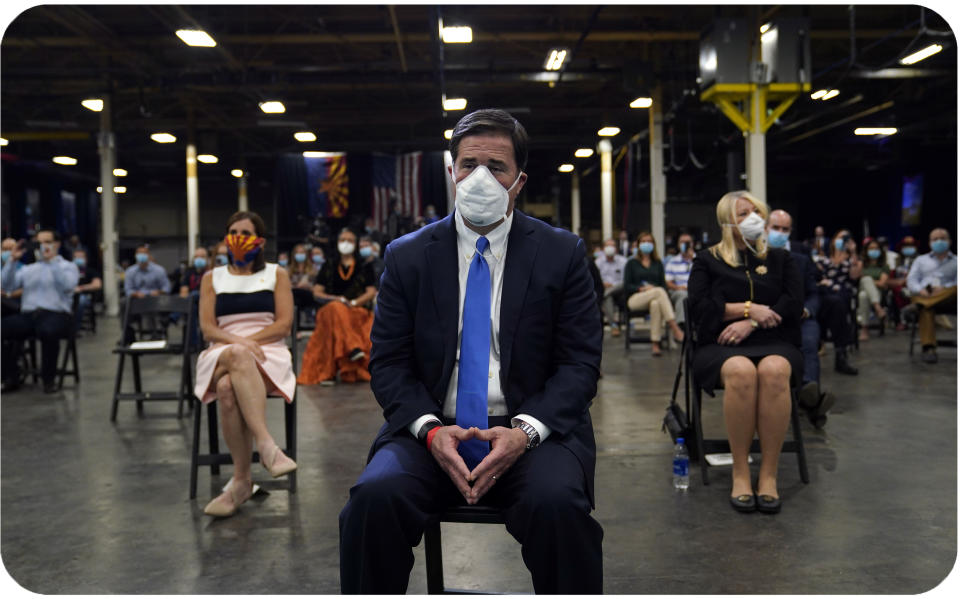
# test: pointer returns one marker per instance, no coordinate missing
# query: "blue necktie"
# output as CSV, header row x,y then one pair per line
x,y
475,357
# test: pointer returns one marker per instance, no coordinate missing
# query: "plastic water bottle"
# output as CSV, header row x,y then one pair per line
x,y
681,466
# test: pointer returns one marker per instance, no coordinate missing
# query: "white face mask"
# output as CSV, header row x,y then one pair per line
x,y
345,247
752,227
609,250
481,199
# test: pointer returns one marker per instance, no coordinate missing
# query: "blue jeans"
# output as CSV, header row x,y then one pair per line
x,y
810,342
83,304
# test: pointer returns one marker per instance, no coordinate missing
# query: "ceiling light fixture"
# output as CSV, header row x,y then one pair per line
x,y
608,131
196,37
555,59
818,94
764,28
583,152
313,154
304,136
448,134
833,93
454,103
207,159
120,190
65,160
236,173
565,168
921,54
874,130
456,35
642,103
119,172
4,141
163,138
94,104
273,107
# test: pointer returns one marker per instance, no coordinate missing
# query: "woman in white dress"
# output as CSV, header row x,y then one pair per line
x,y
246,310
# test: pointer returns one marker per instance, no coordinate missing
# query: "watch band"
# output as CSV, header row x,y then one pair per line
x,y
426,428
533,437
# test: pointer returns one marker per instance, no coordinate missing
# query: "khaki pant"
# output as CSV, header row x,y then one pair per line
x,y
869,294
661,310
927,306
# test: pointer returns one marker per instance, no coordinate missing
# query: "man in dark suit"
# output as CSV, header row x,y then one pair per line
x,y
814,401
515,297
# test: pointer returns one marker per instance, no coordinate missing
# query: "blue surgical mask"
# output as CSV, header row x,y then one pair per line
x,y
141,258
683,247
838,243
317,259
365,252
909,251
200,263
777,239
299,257
597,253
222,259
873,254
283,263
939,246
5,255
646,247
80,262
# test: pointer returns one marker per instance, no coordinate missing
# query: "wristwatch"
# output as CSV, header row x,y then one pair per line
x,y
428,426
533,437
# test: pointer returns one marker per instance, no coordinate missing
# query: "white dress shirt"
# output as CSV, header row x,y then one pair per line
x,y
495,256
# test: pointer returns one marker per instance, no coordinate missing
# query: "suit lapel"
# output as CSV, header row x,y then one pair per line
x,y
521,253
441,257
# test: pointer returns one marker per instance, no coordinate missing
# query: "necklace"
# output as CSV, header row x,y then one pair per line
x,y
345,275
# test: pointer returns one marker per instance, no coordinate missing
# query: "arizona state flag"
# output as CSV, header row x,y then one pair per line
x,y
327,185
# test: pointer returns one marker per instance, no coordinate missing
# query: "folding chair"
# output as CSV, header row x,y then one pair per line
x,y
702,447
155,308
911,316
468,514
215,458
626,315
70,352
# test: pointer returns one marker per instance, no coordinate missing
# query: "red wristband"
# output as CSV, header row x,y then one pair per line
x,y
430,435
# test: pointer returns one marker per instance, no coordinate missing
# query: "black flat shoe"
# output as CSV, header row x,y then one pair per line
x,y
744,503
768,504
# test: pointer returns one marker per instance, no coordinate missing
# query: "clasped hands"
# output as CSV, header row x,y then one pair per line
x,y
736,332
506,445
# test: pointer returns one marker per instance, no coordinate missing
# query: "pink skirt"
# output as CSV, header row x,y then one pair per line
x,y
276,369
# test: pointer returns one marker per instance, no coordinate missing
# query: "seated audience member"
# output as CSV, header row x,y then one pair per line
x,y
11,300
146,277
45,308
246,310
376,235
301,269
611,266
220,256
933,286
341,339
815,401
88,284
873,281
838,275
746,302
646,289
317,257
623,243
890,257
370,255
430,215
818,245
191,277
283,259
677,271
898,278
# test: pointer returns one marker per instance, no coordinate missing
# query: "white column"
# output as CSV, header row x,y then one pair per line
x,y
107,148
575,203
756,147
193,201
606,187
658,180
242,204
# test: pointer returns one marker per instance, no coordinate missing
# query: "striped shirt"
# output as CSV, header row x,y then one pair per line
x,y
677,270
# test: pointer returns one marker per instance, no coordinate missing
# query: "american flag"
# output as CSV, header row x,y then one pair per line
x,y
396,177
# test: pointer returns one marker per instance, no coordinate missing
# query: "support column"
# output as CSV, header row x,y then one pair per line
x,y
658,180
242,204
193,200
107,148
605,148
756,145
575,203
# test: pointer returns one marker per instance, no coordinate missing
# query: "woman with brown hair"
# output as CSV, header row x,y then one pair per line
x,y
246,309
302,270
645,284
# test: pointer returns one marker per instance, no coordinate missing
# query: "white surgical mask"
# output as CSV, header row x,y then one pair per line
x,y
752,227
481,199
345,247
609,250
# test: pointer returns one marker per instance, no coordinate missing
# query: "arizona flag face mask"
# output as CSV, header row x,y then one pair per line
x,y
243,248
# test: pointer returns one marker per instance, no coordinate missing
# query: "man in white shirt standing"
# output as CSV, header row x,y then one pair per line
x,y
933,285
486,354
611,265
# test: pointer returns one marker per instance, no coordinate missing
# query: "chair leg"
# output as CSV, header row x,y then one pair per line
x,y
290,430
698,430
213,434
195,451
116,389
137,385
798,436
434,558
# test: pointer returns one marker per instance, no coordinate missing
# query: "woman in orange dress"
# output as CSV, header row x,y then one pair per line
x,y
341,338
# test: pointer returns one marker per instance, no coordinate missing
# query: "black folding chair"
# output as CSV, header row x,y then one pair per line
x,y
467,514
702,447
625,317
215,458
142,340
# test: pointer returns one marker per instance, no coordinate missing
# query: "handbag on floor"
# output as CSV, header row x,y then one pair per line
x,y
675,421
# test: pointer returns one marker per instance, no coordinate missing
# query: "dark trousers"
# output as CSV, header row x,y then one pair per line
x,y
48,327
809,344
544,501
834,316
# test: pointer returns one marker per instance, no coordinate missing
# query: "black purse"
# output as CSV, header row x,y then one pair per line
x,y
675,420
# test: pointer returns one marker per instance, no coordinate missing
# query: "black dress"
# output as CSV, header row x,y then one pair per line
x,y
774,282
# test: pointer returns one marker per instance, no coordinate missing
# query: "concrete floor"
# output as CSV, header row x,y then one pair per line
x,y
94,507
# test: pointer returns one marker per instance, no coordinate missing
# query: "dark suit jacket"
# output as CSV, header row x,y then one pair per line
x,y
811,278
550,331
